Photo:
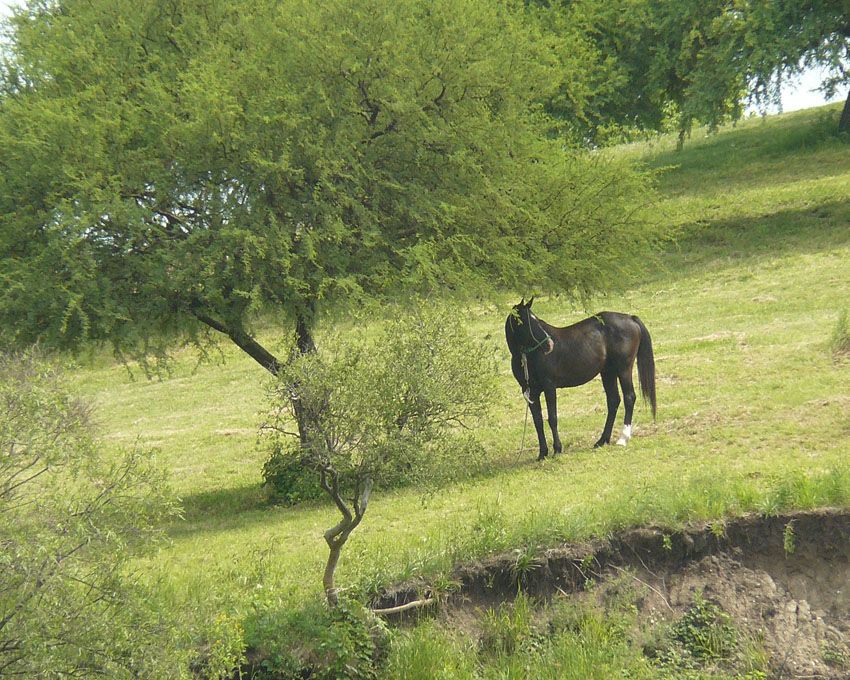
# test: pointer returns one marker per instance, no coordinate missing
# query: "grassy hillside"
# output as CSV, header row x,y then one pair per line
x,y
754,412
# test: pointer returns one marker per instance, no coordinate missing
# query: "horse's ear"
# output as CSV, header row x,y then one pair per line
x,y
530,301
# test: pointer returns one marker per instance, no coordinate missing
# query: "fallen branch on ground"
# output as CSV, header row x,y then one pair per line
x,y
404,607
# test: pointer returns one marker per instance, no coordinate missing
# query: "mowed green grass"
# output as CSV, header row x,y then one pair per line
x,y
753,412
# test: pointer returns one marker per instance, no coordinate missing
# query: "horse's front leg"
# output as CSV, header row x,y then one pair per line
x,y
552,411
537,416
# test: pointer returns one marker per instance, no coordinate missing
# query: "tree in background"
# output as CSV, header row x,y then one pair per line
x,y
669,65
174,171
748,48
783,38
675,63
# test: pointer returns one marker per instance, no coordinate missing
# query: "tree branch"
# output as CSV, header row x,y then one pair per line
x,y
243,341
332,489
361,500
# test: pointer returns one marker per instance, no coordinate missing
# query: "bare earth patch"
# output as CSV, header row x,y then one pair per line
x,y
784,581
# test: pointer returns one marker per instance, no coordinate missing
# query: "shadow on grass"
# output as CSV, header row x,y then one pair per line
x,y
807,231
242,507
755,154
220,506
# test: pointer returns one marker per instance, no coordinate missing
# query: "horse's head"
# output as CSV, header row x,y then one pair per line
x,y
518,330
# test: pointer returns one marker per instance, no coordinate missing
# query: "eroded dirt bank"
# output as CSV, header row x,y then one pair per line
x,y
783,580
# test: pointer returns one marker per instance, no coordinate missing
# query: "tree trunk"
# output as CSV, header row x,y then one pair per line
x,y
303,337
331,592
680,141
337,535
304,344
243,341
844,123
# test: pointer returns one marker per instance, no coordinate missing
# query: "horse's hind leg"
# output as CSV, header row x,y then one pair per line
x,y
629,399
552,412
612,396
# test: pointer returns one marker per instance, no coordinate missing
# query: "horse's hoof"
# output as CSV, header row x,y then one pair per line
x,y
599,444
622,441
542,456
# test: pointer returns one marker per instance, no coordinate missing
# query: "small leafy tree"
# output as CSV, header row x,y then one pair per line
x,y
395,402
70,519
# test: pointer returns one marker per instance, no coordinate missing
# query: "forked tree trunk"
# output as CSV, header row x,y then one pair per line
x,y
844,122
328,583
334,551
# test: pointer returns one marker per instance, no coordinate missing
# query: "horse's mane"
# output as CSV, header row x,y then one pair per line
x,y
509,335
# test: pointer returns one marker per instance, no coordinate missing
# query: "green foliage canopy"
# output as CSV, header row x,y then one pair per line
x,y
781,39
172,169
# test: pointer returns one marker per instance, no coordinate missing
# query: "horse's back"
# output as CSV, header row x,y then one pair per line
x,y
622,337
581,352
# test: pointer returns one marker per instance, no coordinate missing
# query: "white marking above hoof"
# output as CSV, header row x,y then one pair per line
x,y
627,434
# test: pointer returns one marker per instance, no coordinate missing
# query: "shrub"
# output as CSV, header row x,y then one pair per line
x,y
71,518
395,399
347,642
285,480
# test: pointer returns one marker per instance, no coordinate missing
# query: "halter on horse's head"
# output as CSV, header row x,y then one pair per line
x,y
527,333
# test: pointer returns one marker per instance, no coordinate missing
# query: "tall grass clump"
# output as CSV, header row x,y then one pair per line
x,y
431,651
839,343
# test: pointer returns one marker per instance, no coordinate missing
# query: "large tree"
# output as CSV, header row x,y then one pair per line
x,y
177,169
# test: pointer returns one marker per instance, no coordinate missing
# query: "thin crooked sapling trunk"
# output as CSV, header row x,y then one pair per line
x,y
337,535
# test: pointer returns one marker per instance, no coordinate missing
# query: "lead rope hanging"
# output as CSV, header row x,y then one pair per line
x,y
527,395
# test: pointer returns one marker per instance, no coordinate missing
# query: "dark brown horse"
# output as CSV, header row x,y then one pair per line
x,y
544,358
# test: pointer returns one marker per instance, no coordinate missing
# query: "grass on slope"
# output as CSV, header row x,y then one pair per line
x,y
753,411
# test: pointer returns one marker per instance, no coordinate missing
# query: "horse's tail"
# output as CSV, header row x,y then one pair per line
x,y
646,365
